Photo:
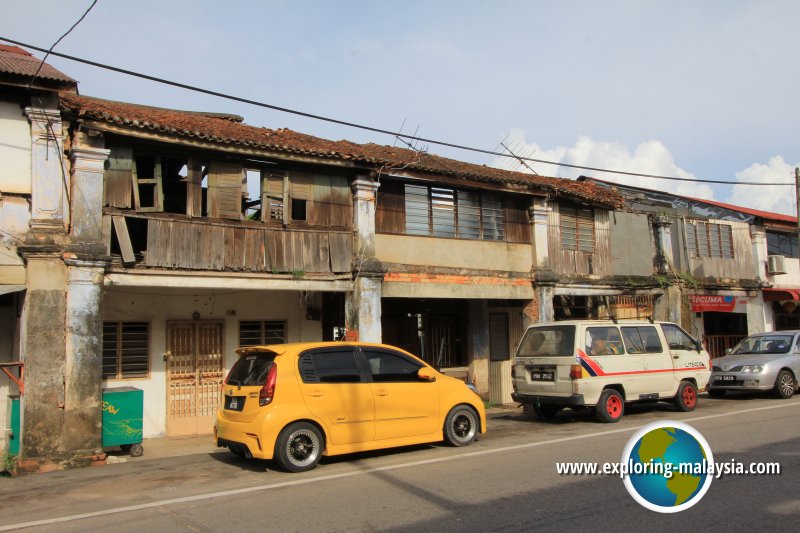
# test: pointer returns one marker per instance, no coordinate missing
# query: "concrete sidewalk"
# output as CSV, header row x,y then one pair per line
x,y
165,447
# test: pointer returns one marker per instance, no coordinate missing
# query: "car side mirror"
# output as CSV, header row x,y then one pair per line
x,y
698,346
426,374
728,350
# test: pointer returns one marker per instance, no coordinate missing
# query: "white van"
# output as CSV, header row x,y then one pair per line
x,y
605,363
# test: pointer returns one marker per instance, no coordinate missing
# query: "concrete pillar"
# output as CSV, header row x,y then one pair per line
x,y
44,354
540,309
83,362
758,237
87,190
363,304
669,306
663,239
48,172
478,344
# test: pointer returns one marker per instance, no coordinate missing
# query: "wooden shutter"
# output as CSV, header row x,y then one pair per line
x,y
319,204
118,178
518,226
194,187
341,202
390,212
272,198
225,190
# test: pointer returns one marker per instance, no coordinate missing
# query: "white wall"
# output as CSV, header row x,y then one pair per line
x,y
160,305
15,149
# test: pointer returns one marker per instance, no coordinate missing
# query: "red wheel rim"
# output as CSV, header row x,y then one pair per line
x,y
689,396
614,406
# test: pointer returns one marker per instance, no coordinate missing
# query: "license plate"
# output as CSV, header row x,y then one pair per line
x,y
543,375
234,403
724,378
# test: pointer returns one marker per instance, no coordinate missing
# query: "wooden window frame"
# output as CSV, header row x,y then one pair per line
x,y
155,182
119,376
262,331
570,219
437,195
707,240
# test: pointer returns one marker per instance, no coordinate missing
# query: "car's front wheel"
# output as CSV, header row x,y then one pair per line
x,y
461,426
299,447
784,385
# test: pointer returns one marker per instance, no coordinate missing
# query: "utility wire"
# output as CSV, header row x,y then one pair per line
x,y
372,128
50,51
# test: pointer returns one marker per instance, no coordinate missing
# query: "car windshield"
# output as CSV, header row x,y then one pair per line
x,y
547,341
764,344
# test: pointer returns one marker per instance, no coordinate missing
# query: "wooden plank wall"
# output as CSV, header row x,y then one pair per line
x,y
118,178
175,244
576,262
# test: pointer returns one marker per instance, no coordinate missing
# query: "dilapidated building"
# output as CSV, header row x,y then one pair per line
x,y
145,244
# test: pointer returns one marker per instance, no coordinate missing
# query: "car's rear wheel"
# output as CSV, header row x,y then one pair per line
x,y
610,407
784,385
686,399
716,393
299,447
546,412
461,426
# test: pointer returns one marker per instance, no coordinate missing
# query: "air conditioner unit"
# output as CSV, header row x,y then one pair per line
x,y
776,264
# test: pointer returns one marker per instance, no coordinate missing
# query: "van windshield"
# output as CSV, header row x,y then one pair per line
x,y
547,341
250,370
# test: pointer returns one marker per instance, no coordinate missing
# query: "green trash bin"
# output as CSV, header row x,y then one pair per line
x,y
122,419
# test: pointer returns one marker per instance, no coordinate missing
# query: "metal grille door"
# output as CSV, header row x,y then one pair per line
x,y
194,376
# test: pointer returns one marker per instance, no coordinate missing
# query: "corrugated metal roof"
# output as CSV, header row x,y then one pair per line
x,y
223,130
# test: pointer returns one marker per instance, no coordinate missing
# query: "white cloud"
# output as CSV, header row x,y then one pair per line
x,y
777,198
650,157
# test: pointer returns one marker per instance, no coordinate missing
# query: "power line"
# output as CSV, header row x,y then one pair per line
x,y
36,74
372,128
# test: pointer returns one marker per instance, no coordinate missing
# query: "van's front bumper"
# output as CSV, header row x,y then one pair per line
x,y
576,400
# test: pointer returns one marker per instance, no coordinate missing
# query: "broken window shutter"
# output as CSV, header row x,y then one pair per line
x,y
225,190
272,200
518,227
118,178
148,193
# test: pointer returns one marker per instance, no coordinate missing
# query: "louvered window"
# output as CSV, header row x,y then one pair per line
x,y
126,350
706,240
577,228
259,332
225,190
272,200
444,212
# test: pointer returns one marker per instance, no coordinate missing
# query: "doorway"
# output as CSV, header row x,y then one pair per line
x,y
194,376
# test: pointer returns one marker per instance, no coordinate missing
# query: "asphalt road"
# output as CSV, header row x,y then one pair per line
x,y
507,481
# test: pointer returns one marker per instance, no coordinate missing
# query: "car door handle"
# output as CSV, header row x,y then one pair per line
x,y
316,394
676,356
381,393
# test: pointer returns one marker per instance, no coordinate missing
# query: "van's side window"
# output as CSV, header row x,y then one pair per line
x,y
604,341
641,339
677,339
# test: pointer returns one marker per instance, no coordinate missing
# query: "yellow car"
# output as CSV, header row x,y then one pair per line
x,y
296,402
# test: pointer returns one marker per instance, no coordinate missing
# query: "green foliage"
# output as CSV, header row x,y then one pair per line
x,y
297,274
8,464
662,280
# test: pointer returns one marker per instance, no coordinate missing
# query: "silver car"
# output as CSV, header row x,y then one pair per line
x,y
761,362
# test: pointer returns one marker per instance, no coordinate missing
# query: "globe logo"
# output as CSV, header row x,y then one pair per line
x,y
668,466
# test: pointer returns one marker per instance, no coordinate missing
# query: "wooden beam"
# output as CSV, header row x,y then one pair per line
x,y
124,239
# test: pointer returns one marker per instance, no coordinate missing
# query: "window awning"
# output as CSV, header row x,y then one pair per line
x,y
774,295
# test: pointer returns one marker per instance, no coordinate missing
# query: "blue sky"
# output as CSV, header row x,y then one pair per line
x,y
694,89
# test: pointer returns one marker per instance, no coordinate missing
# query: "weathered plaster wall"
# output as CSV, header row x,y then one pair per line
x,y
453,253
15,149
